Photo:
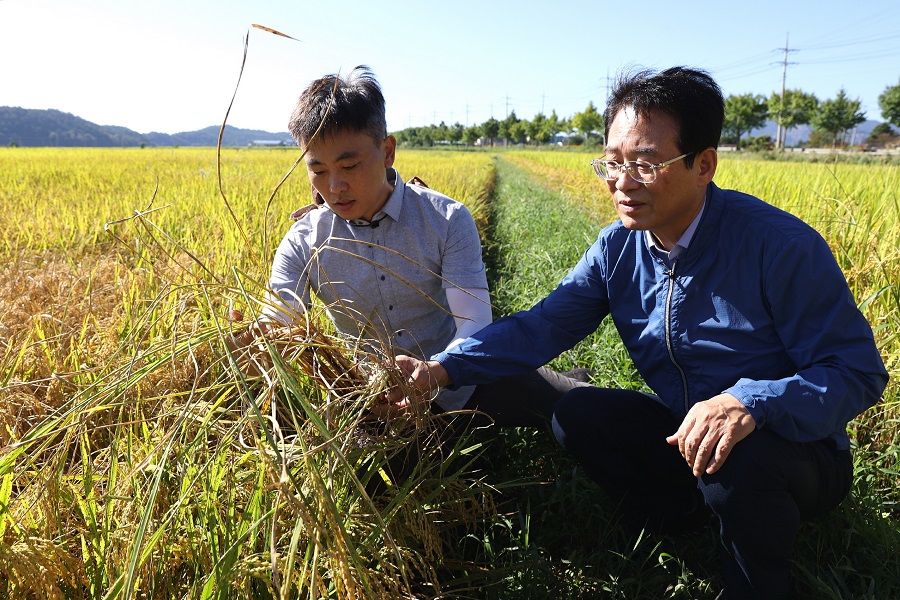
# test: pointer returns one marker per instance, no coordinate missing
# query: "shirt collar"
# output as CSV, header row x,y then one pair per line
x,y
683,242
393,205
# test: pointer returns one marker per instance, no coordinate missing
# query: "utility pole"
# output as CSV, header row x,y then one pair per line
x,y
606,100
781,133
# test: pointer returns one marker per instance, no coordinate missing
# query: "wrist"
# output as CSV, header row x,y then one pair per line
x,y
439,374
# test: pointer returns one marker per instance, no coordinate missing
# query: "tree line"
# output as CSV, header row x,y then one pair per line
x,y
831,122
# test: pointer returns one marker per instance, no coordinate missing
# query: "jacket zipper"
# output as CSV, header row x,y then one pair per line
x,y
684,384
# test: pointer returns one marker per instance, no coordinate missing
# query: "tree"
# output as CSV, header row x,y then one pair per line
x,y
838,116
881,135
539,129
456,132
471,134
743,114
588,120
518,131
555,124
882,129
490,129
889,103
798,109
441,133
506,126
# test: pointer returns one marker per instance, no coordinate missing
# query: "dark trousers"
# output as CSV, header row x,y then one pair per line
x,y
525,400
764,490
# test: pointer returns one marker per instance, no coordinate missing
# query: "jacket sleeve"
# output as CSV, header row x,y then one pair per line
x,y
529,339
840,372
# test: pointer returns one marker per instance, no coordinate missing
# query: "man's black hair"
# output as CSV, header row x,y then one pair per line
x,y
351,103
690,96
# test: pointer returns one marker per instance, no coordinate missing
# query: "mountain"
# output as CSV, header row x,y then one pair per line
x,y
800,134
30,127
209,136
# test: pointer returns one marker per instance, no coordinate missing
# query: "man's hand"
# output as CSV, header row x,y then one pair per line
x,y
709,432
248,348
422,377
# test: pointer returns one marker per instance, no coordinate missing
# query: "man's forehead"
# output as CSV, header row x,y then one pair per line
x,y
654,118
336,147
645,128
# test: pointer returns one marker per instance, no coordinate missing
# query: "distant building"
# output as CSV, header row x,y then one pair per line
x,y
267,143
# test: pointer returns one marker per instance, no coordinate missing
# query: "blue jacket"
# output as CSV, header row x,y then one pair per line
x,y
756,307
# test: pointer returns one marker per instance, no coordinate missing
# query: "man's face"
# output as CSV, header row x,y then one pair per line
x,y
348,170
667,205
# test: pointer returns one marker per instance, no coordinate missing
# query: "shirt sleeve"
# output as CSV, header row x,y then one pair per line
x,y
529,339
471,310
840,371
288,292
461,262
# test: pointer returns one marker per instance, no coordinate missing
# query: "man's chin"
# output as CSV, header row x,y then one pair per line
x,y
632,224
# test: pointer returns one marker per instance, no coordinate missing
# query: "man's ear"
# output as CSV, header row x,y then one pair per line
x,y
706,162
389,145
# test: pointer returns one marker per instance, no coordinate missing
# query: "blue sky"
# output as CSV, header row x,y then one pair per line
x,y
172,66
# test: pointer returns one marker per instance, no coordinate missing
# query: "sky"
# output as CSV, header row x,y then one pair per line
x,y
173,65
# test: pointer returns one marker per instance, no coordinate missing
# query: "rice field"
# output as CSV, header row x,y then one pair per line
x,y
138,463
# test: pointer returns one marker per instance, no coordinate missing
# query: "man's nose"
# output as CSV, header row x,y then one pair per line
x,y
625,181
337,183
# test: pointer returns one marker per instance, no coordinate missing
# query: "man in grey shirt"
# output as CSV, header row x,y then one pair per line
x,y
398,266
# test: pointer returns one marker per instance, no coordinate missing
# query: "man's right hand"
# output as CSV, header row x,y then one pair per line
x,y
248,348
422,376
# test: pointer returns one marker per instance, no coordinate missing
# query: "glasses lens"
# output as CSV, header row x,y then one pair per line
x,y
642,171
611,169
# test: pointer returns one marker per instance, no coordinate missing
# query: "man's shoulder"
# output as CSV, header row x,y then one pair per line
x,y
420,197
743,210
311,219
616,235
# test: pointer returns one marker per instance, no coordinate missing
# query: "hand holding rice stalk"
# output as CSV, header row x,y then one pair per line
x,y
323,359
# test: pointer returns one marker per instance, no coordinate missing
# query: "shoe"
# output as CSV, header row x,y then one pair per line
x,y
581,374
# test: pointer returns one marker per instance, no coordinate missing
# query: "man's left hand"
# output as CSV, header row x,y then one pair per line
x,y
709,432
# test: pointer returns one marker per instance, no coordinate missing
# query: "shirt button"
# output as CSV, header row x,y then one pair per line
x,y
382,277
391,307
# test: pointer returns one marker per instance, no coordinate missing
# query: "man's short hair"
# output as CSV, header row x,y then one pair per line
x,y
352,103
690,96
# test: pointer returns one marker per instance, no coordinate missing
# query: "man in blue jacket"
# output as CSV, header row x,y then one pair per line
x,y
737,316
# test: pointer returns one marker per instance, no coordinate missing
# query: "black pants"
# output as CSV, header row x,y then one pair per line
x,y
764,490
525,400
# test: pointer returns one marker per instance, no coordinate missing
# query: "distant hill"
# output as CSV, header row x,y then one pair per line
x,y
800,134
30,127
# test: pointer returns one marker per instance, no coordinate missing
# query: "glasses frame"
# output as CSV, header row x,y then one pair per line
x,y
629,166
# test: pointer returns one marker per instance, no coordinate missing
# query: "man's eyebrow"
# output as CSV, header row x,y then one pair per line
x,y
313,161
347,154
647,150
642,151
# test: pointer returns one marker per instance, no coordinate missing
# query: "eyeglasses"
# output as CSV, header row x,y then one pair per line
x,y
639,170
